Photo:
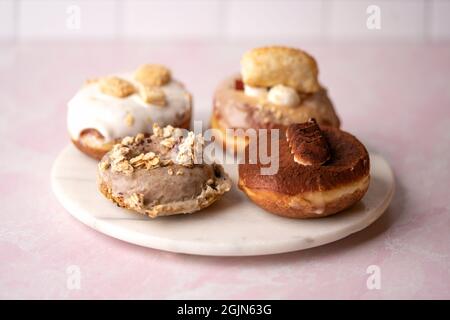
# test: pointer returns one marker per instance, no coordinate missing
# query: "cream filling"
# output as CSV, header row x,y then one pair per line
x,y
319,199
283,96
255,92
90,108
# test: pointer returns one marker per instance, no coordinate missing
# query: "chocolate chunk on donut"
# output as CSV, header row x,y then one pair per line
x,y
308,143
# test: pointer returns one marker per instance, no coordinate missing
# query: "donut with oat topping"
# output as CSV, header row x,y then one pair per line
x,y
161,174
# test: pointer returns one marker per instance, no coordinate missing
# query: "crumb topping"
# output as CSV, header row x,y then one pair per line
x,y
152,75
116,87
153,95
168,146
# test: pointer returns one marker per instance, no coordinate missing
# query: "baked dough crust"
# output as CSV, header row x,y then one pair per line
x,y
204,199
299,206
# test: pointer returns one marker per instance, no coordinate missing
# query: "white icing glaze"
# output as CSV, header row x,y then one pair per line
x,y
255,91
92,109
283,96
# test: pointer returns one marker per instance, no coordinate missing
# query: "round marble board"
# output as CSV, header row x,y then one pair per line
x,y
233,226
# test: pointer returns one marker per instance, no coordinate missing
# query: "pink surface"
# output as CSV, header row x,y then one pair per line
x,y
395,98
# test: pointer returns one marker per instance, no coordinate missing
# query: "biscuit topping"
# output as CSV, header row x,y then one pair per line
x,y
116,87
152,75
307,143
153,95
270,66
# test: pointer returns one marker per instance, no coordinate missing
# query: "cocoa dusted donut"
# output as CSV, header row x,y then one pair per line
x,y
322,171
107,109
161,174
277,86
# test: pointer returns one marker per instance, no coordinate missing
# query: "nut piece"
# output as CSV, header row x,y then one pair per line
x,y
168,142
269,66
153,95
116,87
152,75
307,143
190,150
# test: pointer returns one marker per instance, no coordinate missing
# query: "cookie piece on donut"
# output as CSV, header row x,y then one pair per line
x,y
116,87
107,109
153,95
270,66
152,75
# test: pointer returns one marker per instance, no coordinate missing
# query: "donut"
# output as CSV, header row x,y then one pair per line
x,y
161,174
277,86
107,109
322,171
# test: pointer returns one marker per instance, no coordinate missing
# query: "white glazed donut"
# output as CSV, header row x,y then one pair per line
x,y
97,120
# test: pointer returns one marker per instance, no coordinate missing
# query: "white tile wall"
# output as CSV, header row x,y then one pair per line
x,y
411,20
440,20
273,18
56,18
173,19
398,19
7,27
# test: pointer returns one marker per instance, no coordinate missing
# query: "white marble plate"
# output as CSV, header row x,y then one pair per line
x,y
233,226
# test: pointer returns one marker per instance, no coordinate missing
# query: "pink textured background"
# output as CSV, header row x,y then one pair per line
x,y
395,98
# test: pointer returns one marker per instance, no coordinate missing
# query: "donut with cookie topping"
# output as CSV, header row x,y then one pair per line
x,y
277,86
161,174
322,171
109,108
